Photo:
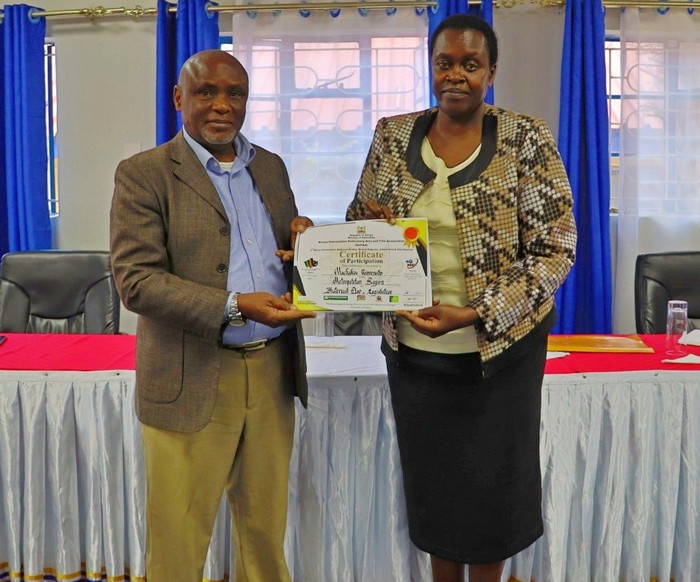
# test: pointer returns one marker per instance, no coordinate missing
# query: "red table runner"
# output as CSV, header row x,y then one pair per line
x,y
62,352
580,362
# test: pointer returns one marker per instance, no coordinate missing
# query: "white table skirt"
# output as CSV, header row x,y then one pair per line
x,y
620,456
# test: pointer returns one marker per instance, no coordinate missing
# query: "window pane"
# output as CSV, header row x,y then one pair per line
x,y
398,75
660,122
266,64
320,66
341,115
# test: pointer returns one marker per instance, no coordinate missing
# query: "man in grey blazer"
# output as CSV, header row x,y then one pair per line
x,y
198,229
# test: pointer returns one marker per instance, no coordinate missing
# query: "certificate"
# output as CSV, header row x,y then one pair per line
x,y
366,265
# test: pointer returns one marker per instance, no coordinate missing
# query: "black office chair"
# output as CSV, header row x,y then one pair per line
x,y
58,292
358,323
660,277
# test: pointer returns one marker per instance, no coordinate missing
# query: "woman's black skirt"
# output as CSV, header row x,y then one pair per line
x,y
469,451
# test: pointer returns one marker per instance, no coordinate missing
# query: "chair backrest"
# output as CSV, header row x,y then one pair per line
x,y
358,323
660,277
58,292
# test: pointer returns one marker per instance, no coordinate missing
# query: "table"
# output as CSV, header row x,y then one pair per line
x,y
620,454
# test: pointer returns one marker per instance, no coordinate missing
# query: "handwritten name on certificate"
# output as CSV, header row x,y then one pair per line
x,y
367,265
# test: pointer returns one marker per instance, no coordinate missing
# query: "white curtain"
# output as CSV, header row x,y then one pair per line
x,y
319,82
659,183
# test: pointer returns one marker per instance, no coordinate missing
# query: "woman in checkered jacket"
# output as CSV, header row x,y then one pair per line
x,y
466,373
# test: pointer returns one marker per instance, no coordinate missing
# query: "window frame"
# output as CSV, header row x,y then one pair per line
x,y
52,194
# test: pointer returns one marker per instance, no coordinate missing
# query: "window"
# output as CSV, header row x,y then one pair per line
x,y
653,82
316,98
613,67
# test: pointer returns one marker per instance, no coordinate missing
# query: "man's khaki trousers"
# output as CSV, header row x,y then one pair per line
x,y
245,450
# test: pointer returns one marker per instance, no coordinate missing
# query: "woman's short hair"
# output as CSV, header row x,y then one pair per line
x,y
469,22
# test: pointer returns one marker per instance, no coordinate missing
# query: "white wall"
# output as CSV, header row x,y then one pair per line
x,y
106,100
106,112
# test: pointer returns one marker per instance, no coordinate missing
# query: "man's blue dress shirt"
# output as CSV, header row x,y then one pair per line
x,y
253,265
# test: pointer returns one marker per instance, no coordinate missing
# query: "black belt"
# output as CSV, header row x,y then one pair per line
x,y
251,346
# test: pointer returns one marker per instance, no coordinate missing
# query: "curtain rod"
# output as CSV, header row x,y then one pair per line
x,y
650,4
138,11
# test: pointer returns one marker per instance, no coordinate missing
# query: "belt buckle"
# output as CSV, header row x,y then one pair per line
x,y
252,346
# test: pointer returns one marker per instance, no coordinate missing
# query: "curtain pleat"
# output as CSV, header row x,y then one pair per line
x,y
3,158
24,219
179,36
197,28
166,73
585,300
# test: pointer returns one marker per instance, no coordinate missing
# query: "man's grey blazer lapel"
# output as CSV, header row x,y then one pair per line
x,y
274,195
189,170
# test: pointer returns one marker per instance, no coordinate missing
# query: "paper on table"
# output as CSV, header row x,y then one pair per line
x,y
322,342
689,359
691,339
555,355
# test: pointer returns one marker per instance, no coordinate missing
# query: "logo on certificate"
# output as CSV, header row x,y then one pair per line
x,y
411,263
311,263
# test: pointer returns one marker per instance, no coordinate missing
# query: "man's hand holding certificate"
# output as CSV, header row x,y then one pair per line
x,y
367,265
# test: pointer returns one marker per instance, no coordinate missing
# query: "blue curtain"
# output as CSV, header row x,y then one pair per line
x,y
585,300
179,36
447,8
24,210
166,73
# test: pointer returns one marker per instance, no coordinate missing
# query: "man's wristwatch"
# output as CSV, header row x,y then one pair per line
x,y
235,317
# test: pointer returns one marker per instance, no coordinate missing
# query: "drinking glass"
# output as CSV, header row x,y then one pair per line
x,y
324,324
676,326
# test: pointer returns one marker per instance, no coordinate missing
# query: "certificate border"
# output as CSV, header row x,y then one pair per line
x,y
419,239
